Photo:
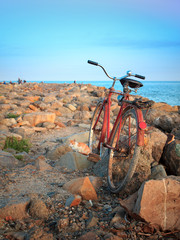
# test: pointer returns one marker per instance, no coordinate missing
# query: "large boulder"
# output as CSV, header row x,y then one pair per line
x,y
7,160
83,187
168,122
15,208
157,202
39,117
74,161
155,141
171,158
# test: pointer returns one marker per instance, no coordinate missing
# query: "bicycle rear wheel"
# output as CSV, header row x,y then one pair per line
x,y
123,156
95,132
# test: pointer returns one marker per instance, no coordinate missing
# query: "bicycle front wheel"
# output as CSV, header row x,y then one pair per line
x,y
95,133
123,157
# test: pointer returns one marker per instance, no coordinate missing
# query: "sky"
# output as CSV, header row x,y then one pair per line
x,y
51,40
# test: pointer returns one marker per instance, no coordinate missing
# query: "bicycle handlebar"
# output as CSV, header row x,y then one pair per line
x,y
92,62
139,76
128,72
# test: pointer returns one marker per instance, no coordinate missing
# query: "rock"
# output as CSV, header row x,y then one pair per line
x,y
71,107
78,137
39,117
96,182
91,222
38,209
40,129
40,234
62,224
89,236
60,124
17,235
157,202
41,164
82,115
32,107
20,131
73,201
33,98
8,160
82,187
73,161
168,122
15,208
157,172
15,135
48,125
155,141
49,99
164,107
58,151
101,167
8,122
171,158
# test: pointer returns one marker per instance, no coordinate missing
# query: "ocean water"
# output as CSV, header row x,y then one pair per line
x,y
158,91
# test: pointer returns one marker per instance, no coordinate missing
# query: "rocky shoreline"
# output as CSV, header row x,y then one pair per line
x,y
54,192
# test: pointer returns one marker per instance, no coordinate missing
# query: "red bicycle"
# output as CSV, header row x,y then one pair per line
x,y
120,141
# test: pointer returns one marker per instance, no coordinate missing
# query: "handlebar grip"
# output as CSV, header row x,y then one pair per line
x,y
93,63
139,76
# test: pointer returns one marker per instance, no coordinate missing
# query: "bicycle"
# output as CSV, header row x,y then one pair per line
x,y
126,137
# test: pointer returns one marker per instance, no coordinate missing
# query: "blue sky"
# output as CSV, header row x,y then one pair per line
x,y
53,39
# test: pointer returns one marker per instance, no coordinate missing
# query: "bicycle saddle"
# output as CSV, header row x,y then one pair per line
x,y
131,82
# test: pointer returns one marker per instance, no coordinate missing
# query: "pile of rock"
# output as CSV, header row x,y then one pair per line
x,y
57,192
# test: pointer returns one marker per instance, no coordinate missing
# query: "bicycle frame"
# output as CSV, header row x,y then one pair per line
x,y
126,105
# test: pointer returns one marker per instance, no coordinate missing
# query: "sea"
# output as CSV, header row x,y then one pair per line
x,y
158,91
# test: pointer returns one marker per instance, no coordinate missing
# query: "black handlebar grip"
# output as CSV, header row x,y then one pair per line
x,y
139,76
93,63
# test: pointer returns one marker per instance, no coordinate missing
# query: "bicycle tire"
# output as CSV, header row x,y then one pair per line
x,y
95,134
123,157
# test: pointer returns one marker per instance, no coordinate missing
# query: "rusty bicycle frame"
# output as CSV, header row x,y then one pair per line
x,y
125,104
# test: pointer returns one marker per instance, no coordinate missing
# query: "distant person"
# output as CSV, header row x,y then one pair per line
x,y
24,81
4,82
74,81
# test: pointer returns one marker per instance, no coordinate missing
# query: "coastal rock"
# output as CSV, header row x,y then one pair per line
x,y
171,158
82,187
82,115
58,151
9,122
38,209
8,160
41,164
73,161
168,122
157,172
71,107
155,141
15,208
156,202
49,99
39,117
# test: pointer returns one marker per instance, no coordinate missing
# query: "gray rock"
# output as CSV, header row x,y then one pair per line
x,y
157,172
73,161
8,160
79,137
171,158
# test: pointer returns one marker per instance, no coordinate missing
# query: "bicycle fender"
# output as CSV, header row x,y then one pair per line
x,y
141,127
141,124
